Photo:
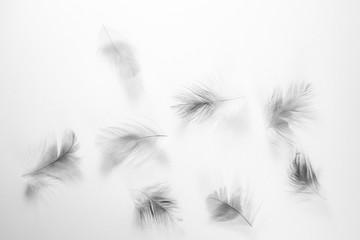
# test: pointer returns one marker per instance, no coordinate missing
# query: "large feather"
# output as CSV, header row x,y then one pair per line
x,y
55,165
198,103
127,142
302,176
224,207
155,206
287,109
120,55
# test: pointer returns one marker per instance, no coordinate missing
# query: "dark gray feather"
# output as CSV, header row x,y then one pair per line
x,y
302,176
155,206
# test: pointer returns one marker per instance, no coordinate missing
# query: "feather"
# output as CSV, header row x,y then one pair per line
x,y
288,109
121,56
127,142
155,206
223,207
302,176
198,103
55,165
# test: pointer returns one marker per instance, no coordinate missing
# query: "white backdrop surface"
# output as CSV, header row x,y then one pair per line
x,y
51,78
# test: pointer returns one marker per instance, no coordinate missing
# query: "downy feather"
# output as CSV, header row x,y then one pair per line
x,y
155,206
120,55
224,206
302,176
55,164
287,109
198,103
126,142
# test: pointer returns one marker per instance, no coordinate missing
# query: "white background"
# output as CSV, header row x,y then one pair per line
x,y
51,78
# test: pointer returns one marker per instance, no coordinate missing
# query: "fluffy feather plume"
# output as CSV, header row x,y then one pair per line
x,y
302,176
120,55
155,206
224,207
198,103
287,109
127,142
55,164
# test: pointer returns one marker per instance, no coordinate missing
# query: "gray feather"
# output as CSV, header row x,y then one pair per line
x,y
302,176
55,165
127,142
155,206
121,56
287,109
197,103
223,207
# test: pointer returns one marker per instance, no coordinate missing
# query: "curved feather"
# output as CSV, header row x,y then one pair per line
x,y
55,165
302,176
155,206
288,108
127,142
225,208
198,103
121,56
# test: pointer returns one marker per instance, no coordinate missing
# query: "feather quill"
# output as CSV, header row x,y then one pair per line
x,y
224,207
55,164
198,103
155,206
132,140
302,176
287,109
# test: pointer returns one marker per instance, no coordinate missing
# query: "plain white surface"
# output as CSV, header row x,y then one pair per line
x,y
51,78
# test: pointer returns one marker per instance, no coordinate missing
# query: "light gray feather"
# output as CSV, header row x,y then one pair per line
x,y
224,207
126,142
120,55
54,165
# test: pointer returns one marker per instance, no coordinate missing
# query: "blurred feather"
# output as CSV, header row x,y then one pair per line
x,y
55,165
155,206
198,103
127,142
288,109
302,176
224,207
121,56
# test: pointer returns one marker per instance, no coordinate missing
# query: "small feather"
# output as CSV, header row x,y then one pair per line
x,y
225,208
55,165
127,142
302,176
198,103
121,56
287,109
155,206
